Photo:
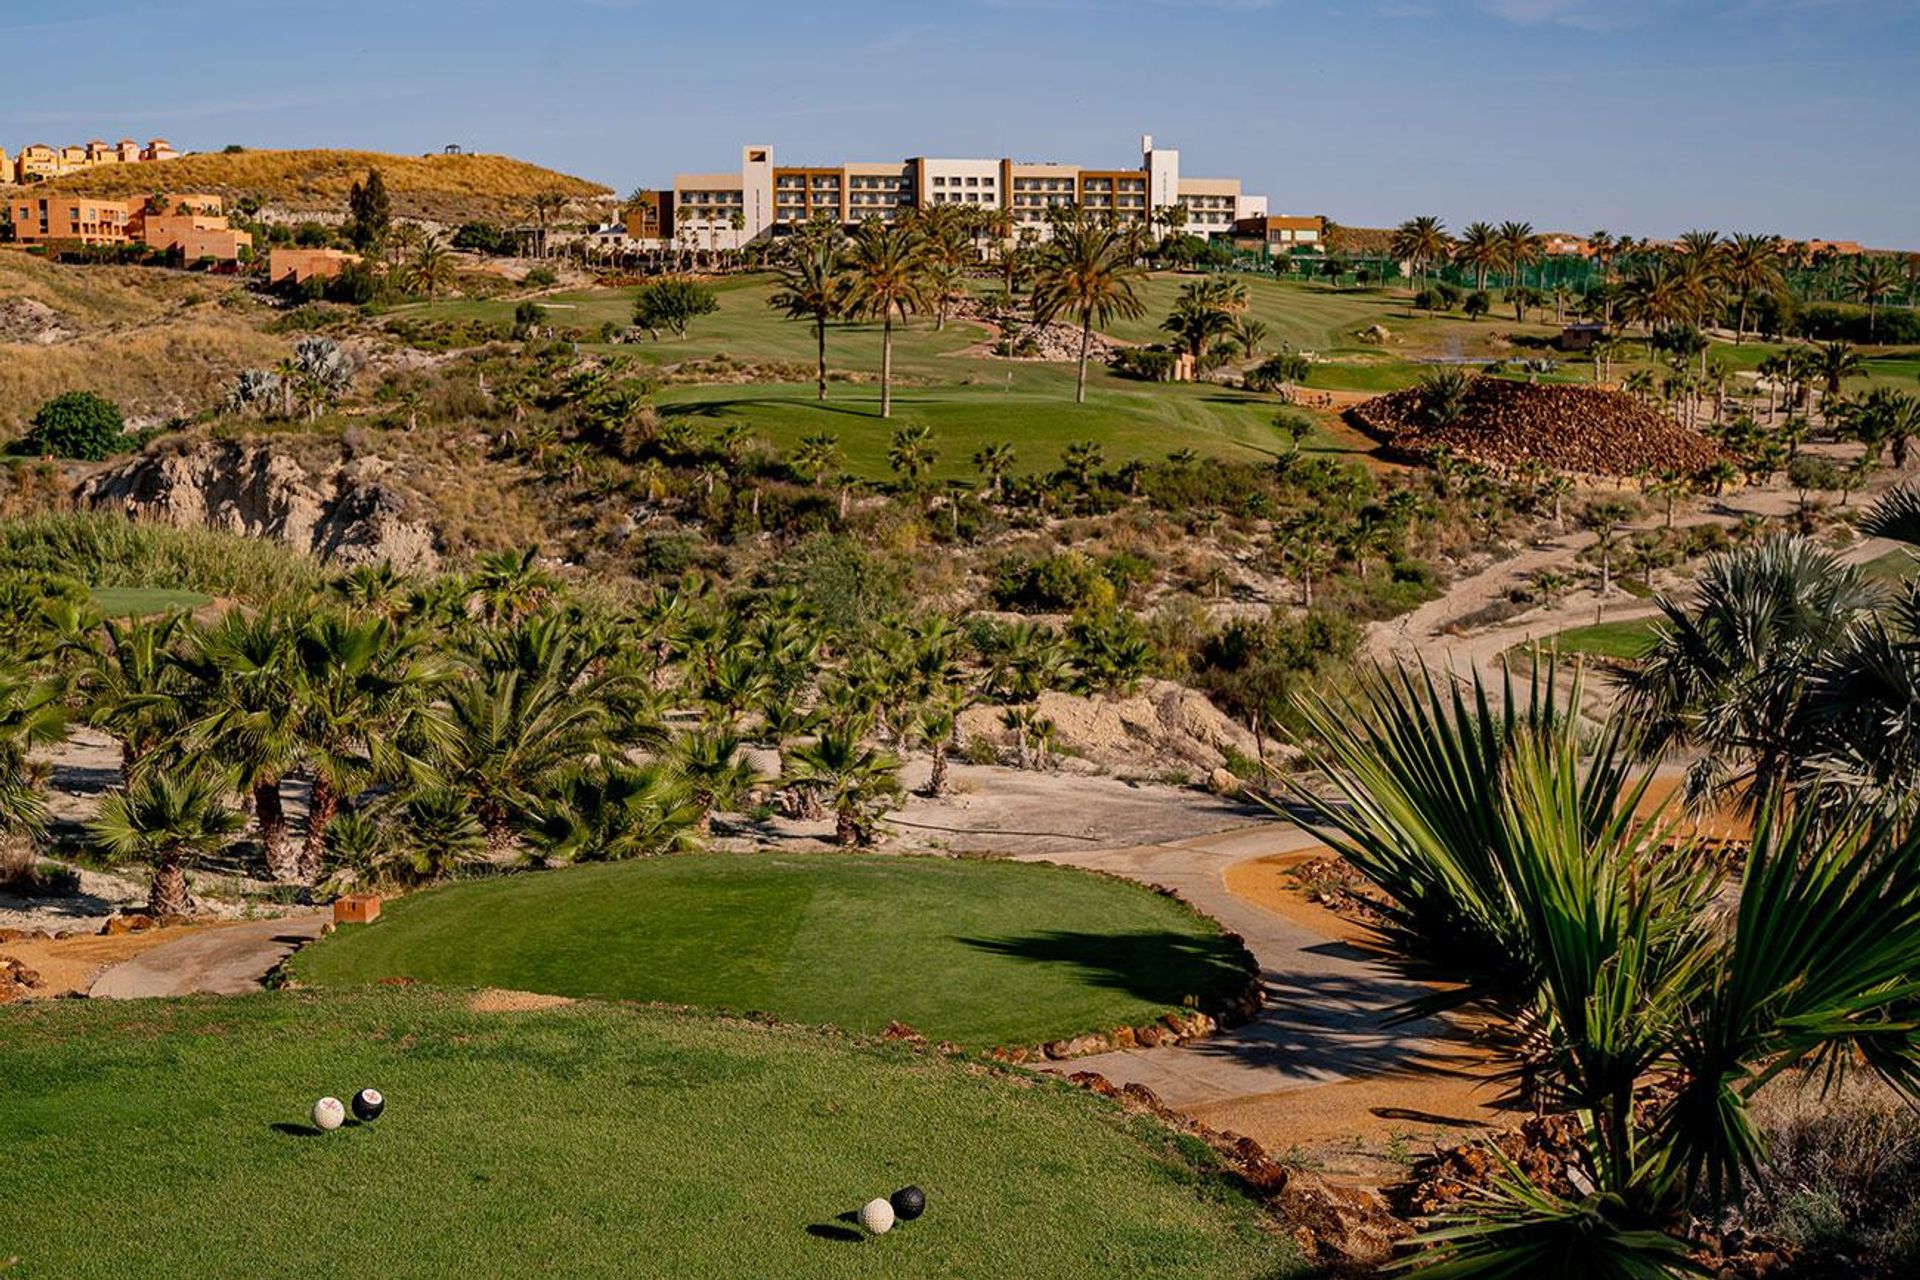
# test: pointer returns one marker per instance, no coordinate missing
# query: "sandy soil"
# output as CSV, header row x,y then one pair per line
x,y
495,1000
69,966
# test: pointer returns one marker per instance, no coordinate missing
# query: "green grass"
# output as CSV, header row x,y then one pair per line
x,y
138,602
584,1141
978,952
1628,638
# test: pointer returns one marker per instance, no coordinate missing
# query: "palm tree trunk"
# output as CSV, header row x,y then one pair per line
x,y
322,804
1086,342
820,341
271,816
937,780
167,895
886,365
846,827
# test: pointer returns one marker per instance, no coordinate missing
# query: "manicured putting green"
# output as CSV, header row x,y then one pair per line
x,y
975,951
171,1138
1628,638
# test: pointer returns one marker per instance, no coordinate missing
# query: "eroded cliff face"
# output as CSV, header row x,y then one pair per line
x,y
356,514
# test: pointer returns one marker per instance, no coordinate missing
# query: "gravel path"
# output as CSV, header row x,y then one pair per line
x,y
227,961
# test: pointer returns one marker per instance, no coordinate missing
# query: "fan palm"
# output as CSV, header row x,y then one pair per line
x,y
857,781
357,687
133,686
432,269
1086,271
812,286
1519,873
246,664
169,819
1729,674
995,460
715,772
612,812
886,277
31,716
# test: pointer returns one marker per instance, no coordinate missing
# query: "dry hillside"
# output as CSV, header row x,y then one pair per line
x,y
157,343
438,188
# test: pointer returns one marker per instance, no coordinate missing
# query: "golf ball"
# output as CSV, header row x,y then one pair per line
x,y
328,1114
368,1104
909,1203
877,1217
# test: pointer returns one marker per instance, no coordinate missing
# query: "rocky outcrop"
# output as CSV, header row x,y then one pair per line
x,y
354,516
1164,728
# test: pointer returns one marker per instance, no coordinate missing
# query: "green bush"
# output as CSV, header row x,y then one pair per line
x,y
1149,364
673,304
78,425
1052,584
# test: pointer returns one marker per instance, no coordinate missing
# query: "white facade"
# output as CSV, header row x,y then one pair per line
x,y
975,182
1163,173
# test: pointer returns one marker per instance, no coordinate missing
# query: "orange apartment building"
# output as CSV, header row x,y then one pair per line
x,y
38,162
287,264
194,226
1280,233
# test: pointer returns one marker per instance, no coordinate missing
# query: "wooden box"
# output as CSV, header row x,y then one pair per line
x,y
356,908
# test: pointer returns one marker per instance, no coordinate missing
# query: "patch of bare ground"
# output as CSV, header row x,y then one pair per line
x,y
496,1000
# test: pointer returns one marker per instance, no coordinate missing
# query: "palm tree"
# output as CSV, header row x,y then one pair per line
x,y
356,685
613,812
886,277
1081,460
715,772
1517,873
1750,264
856,780
511,734
1421,242
133,687
30,716
1087,272
168,818
246,663
1251,335
543,206
939,726
432,268
1834,363
1479,249
811,286
1875,279
995,460
1728,674
817,455
1520,248
912,454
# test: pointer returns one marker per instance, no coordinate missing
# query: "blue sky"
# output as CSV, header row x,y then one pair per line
x,y
1798,117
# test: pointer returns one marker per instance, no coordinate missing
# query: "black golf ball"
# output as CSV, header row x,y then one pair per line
x,y
908,1203
368,1104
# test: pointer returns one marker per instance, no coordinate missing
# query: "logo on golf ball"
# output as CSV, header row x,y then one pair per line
x,y
368,1104
328,1114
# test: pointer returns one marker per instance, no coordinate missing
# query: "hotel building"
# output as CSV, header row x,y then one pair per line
x,y
765,198
38,162
195,226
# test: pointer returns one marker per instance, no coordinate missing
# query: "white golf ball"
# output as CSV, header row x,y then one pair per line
x,y
877,1217
328,1114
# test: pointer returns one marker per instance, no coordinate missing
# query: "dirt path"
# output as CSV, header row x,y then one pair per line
x,y
1324,1067
226,961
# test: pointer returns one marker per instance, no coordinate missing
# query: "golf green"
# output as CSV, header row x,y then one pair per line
x,y
977,951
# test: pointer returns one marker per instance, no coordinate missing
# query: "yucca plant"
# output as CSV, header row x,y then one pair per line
x,y
1518,869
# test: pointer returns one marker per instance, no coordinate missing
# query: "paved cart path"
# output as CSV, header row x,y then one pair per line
x,y
227,961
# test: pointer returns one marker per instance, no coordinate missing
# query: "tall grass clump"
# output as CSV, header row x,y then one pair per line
x,y
106,550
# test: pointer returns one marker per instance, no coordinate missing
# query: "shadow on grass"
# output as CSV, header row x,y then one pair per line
x,y
296,1130
1157,966
843,1234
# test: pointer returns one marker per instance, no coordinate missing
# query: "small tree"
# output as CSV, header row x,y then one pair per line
x,y
369,211
78,425
673,304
